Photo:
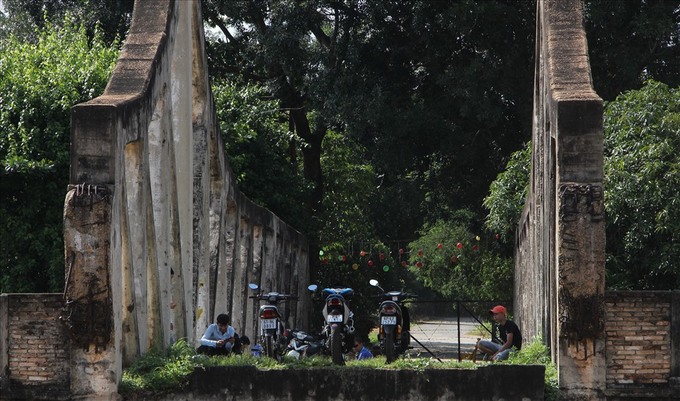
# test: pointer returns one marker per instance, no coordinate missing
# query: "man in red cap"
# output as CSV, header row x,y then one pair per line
x,y
509,333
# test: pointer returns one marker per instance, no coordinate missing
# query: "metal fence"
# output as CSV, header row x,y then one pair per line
x,y
450,329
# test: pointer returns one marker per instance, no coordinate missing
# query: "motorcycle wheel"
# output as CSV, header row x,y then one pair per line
x,y
269,347
336,347
390,355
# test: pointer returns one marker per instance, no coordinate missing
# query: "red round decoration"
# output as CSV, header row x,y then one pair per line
x,y
475,248
344,258
459,245
401,251
420,252
454,259
362,253
498,236
370,263
403,263
419,265
440,246
381,256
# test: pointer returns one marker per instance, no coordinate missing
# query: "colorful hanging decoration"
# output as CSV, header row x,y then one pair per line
x,y
362,253
370,263
355,266
459,245
386,268
419,264
404,263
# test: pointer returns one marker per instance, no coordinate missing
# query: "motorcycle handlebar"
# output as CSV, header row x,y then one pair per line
x,y
402,296
279,297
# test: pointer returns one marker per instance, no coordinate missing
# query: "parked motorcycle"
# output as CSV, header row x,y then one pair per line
x,y
338,329
302,344
394,334
271,322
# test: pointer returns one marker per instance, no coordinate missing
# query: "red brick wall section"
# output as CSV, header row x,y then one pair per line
x,y
638,344
37,341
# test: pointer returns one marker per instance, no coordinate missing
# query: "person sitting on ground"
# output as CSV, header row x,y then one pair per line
x,y
361,351
509,333
219,338
241,343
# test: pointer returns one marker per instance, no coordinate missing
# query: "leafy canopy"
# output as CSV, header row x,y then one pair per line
x,y
39,83
642,174
450,258
642,177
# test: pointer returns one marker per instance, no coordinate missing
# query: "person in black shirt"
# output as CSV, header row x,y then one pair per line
x,y
509,333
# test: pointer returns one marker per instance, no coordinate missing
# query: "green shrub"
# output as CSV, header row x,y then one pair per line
x,y
537,353
158,372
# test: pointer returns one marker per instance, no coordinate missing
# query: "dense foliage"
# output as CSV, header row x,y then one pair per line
x,y
108,19
461,262
642,172
384,119
420,86
632,41
39,83
642,136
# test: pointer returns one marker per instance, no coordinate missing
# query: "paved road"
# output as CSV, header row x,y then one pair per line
x,y
440,337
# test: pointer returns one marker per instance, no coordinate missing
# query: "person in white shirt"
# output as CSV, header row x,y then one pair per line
x,y
219,337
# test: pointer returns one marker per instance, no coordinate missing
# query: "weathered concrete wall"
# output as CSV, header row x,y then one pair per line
x,y
493,382
559,269
34,348
158,238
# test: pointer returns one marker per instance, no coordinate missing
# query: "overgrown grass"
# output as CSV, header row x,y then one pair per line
x,y
536,353
159,372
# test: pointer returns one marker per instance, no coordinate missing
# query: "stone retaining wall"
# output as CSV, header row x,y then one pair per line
x,y
493,382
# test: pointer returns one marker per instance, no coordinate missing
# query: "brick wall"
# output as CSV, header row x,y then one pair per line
x,y
34,347
639,344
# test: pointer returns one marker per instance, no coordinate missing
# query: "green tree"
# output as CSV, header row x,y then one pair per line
x,y
421,86
632,41
25,18
642,176
507,195
257,142
450,258
349,191
39,83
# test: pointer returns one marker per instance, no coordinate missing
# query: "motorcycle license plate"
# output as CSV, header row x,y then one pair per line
x,y
334,318
388,320
268,324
